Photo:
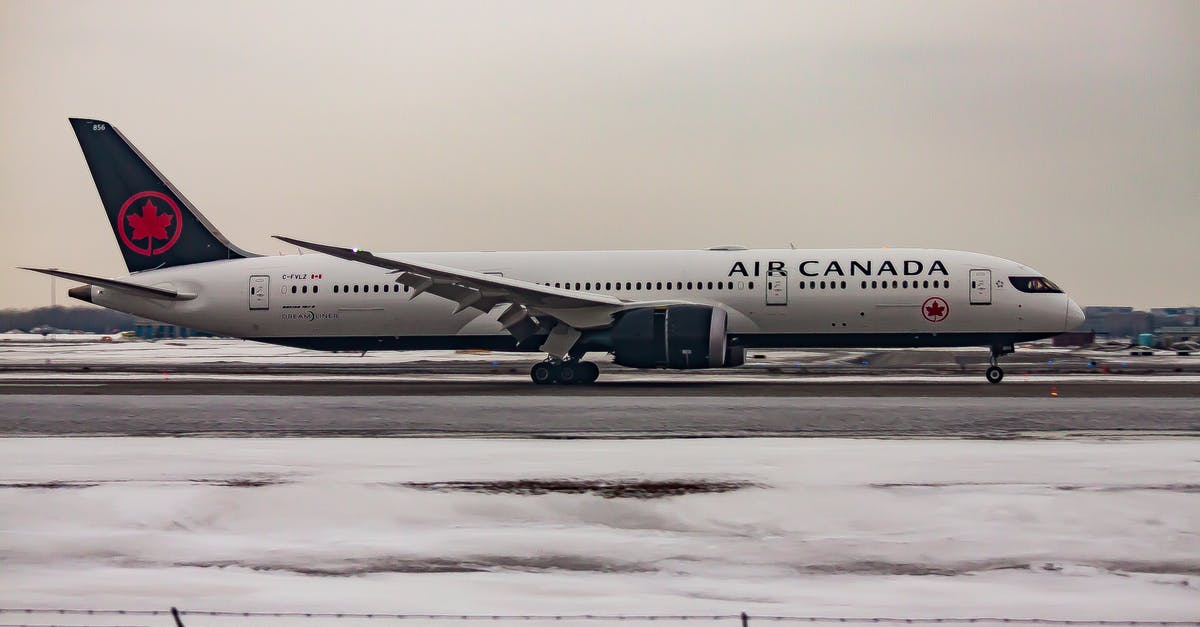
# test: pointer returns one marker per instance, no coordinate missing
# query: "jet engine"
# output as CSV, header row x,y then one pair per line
x,y
674,336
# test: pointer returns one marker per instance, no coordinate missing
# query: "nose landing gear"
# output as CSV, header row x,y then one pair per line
x,y
995,373
569,372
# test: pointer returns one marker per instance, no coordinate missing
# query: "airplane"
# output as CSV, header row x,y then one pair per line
x,y
651,309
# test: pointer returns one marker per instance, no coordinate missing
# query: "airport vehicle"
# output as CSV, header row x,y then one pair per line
x,y
683,309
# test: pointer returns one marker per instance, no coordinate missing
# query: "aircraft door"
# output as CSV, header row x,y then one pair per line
x,y
981,287
259,291
777,288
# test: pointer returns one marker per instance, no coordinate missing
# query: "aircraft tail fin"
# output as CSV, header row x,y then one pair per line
x,y
155,225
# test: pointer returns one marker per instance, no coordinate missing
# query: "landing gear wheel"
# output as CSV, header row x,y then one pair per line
x,y
569,373
995,374
542,373
589,372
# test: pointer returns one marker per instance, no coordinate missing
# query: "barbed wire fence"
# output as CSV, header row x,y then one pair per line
x,y
743,618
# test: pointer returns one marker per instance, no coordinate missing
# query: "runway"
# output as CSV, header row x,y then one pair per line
x,y
631,410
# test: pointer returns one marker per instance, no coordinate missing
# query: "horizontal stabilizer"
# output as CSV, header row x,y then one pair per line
x,y
141,290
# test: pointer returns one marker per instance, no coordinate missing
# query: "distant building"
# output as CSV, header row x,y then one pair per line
x,y
1175,316
1169,336
1126,322
155,330
1115,321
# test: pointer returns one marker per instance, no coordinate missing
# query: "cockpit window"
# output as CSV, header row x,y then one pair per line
x,y
1034,284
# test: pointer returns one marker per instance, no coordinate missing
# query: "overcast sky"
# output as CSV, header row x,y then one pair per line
x,y
1065,135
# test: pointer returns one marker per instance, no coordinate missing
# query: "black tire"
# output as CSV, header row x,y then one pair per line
x,y
569,374
542,373
994,374
589,372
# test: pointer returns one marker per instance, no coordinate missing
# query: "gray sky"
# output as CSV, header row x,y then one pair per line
x,y
1065,135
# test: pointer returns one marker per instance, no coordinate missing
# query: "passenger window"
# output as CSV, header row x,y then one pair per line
x,y
658,286
843,285
751,284
802,285
293,289
946,284
904,284
710,285
822,285
883,284
874,284
935,283
576,286
355,289
669,283
689,285
315,288
335,289
864,285
376,288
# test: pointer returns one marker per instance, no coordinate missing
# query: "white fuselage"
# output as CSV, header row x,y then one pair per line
x,y
774,298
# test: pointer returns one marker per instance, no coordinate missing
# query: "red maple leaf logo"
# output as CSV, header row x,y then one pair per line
x,y
935,310
151,224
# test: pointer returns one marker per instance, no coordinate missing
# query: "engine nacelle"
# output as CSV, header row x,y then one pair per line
x,y
674,336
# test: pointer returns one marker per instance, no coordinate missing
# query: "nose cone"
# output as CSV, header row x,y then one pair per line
x,y
1074,316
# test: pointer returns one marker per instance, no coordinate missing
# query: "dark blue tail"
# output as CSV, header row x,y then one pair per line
x,y
155,226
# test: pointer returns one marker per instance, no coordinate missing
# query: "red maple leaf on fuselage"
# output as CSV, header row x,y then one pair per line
x,y
151,224
935,310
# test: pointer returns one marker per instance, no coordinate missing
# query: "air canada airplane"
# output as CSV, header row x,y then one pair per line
x,y
680,309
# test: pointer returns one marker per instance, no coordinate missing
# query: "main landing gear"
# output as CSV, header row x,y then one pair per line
x,y
568,372
995,373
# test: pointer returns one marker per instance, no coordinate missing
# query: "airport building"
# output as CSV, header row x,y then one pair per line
x,y
154,330
1126,322
1115,321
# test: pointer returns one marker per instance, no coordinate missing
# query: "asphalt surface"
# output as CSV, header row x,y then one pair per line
x,y
616,409
696,385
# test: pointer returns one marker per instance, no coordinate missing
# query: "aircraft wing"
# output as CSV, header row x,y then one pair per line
x,y
482,291
140,290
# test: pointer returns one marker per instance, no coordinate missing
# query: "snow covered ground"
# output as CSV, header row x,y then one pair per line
x,y
1097,529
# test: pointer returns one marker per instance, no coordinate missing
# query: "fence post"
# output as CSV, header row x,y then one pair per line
x,y
745,620
175,615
